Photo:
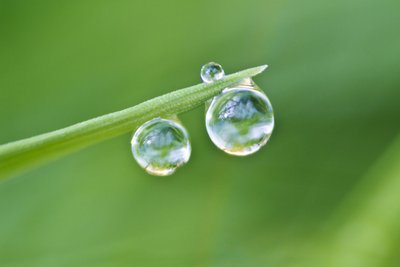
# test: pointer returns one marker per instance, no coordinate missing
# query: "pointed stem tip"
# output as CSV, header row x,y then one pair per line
x,y
258,70
264,67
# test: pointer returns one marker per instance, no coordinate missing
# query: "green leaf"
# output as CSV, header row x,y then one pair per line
x,y
19,156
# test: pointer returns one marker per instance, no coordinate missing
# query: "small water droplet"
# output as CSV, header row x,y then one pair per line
x,y
160,146
240,120
211,72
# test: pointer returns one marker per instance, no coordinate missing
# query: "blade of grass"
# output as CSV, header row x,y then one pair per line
x,y
365,228
19,156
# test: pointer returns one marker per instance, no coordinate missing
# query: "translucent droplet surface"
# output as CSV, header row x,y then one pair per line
x,y
211,72
240,120
160,146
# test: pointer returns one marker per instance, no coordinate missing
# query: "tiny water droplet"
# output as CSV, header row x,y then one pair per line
x,y
240,120
160,146
211,72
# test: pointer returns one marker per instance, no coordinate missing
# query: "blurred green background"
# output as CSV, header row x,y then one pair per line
x,y
325,191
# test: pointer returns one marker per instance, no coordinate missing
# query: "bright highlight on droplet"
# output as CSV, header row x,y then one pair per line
x,y
211,72
240,120
161,146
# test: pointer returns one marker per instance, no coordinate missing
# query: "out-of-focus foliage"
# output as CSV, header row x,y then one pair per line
x,y
324,191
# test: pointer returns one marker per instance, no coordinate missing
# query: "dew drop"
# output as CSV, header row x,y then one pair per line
x,y
240,120
211,72
160,146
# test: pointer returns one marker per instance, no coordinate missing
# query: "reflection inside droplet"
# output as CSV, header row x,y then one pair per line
x,y
211,72
160,146
240,120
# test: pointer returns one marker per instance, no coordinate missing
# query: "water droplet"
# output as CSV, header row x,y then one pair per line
x,y
240,120
211,72
160,146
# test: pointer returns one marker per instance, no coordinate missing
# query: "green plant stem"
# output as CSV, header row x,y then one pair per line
x,y
20,156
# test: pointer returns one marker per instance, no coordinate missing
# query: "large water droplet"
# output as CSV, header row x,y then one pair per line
x,y
160,146
240,120
211,72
